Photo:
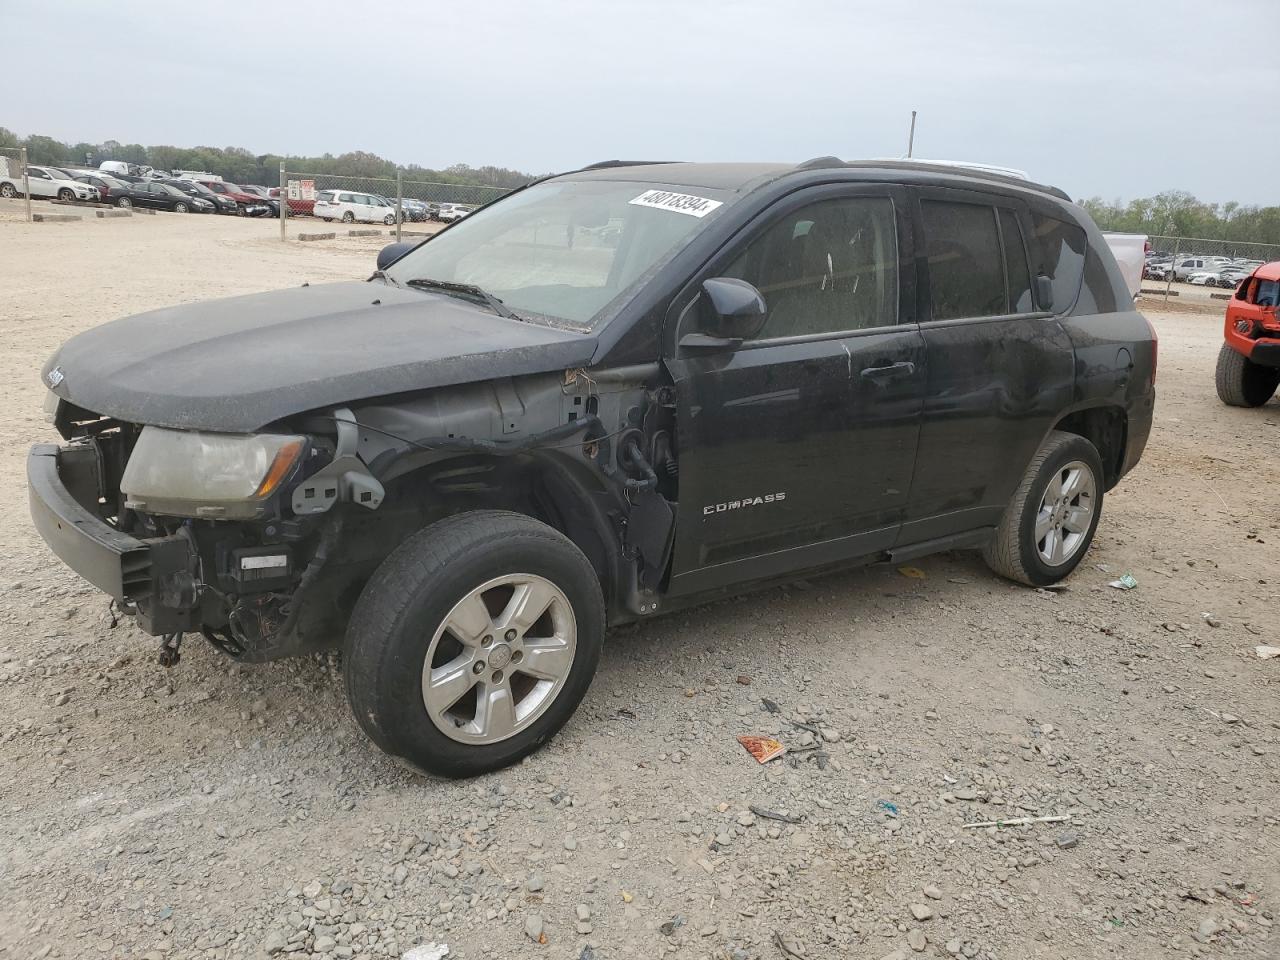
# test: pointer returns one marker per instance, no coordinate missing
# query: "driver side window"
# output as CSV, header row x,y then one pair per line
x,y
828,267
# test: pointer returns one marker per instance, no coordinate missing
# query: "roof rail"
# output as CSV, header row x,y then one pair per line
x,y
606,164
978,171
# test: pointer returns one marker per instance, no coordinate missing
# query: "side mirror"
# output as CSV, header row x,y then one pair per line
x,y
1044,291
393,252
737,309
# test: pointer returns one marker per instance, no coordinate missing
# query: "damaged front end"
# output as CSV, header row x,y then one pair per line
x,y
262,542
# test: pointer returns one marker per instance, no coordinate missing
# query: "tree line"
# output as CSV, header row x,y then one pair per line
x,y
240,166
1176,213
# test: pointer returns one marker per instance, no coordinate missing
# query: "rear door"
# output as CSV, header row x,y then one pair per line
x,y
1000,368
796,448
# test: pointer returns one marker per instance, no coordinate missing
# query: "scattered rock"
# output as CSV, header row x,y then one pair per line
x,y
534,883
921,912
533,927
916,940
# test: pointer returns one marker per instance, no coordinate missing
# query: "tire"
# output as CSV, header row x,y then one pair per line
x,y
66,194
348,217
180,207
1015,551
241,211
1243,383
402,618
124,203
8,191
327,219
389,220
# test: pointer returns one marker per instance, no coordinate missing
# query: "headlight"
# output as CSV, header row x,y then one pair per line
x,y
217,475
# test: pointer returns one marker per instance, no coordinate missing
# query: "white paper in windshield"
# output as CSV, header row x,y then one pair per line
x,y
677,202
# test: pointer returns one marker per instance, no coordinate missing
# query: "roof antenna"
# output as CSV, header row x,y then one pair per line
x,y
911,137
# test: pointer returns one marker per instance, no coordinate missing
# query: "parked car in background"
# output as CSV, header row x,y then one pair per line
x,y
220,203
450,212
352,207
247,204
103,183
414,210
1185,267
48,183
161,196
264,195
117,167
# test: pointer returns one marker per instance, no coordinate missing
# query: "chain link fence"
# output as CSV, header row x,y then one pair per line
x,y
1202,262
13,178
336,198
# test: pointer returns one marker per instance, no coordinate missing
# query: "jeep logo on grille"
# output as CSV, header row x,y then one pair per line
x,y
54,377
714,508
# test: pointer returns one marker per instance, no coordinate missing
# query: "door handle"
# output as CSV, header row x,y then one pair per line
x,y
888,371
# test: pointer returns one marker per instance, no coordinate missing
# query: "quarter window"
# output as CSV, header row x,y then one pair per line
x,y
828,267
966,268
1057,252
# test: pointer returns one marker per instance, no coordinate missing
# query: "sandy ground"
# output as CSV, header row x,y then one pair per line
x,y
215,811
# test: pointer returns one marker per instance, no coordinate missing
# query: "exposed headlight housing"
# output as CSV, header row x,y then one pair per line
x,y
187,473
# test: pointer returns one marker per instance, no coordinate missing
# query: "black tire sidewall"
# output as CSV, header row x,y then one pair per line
x,y
403,727
1039,572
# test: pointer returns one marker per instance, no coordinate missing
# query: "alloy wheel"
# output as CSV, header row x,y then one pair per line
x,y
500,659
1066,513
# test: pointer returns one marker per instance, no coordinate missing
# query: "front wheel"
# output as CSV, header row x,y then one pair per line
x,y
1243,383
389,219
66,194
179,207
1049,524
348,217
473,643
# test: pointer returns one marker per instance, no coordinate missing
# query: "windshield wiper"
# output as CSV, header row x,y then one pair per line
x,y
469,290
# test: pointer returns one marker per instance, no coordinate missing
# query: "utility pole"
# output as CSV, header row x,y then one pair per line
x,y
911,137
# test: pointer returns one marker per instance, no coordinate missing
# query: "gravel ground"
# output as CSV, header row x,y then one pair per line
x,y
216,811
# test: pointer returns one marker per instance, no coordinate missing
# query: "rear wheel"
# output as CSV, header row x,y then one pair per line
x,y
1243,383
473,643
8,191
1049,524
124,203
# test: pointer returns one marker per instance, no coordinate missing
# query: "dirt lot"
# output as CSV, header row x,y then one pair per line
x,y
216,811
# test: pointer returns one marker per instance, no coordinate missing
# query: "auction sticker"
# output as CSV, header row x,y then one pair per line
x,y
677,202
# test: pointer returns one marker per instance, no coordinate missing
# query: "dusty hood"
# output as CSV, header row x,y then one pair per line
x,y
237,364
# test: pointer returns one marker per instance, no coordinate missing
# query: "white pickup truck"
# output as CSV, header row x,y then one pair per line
x,y
1130,251
47,182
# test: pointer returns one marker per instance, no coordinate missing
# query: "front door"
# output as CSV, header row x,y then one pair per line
x,y
796,448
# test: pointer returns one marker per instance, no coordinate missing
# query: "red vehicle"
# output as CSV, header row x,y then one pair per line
x,y
247,204
304,208
1249,362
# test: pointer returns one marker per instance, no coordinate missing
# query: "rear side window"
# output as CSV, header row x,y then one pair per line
x,y
1057,252
966,269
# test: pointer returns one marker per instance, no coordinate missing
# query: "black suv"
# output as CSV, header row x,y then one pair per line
x,y
610,394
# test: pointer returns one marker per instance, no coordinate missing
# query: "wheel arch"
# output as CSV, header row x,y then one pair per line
x,y
555,489
1107,428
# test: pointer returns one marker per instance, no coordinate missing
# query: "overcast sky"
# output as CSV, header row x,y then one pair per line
x,y
1116,98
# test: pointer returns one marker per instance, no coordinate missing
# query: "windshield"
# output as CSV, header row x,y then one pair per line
x,y
566,250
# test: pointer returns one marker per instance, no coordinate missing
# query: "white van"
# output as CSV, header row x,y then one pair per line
x,y
118,167
351,207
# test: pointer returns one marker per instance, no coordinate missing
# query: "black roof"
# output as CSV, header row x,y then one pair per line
x,y
743,177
